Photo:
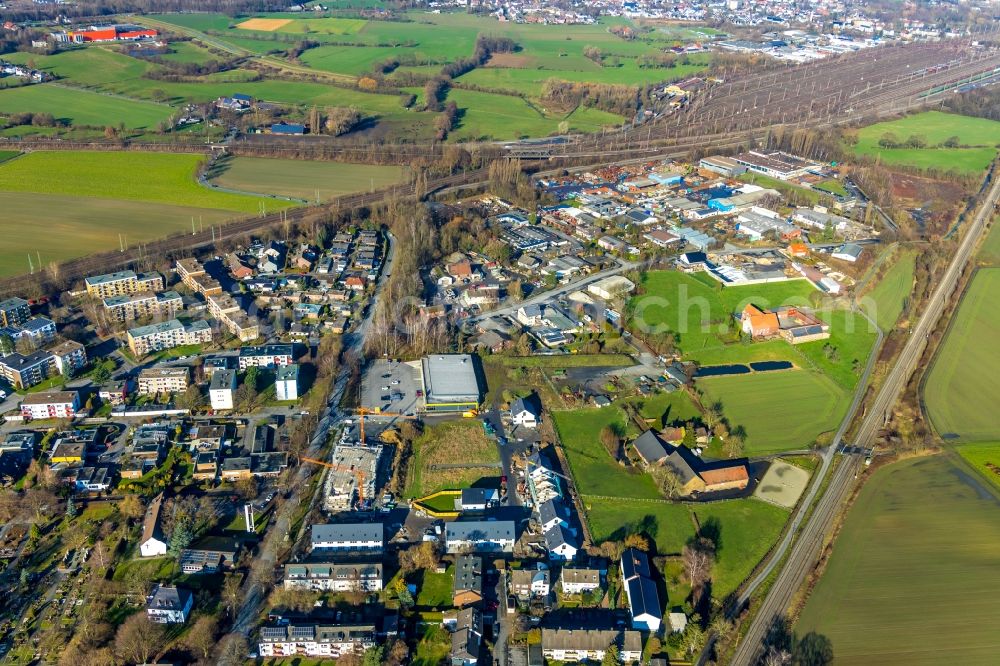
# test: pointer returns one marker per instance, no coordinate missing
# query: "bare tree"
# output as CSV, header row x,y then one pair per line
x,y
201,638
138,639
667,481
698,558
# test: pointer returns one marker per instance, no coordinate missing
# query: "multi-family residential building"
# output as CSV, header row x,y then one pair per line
x,y
578,581
24,371
222,388
229,313
37,329
51,405
167,335
265,356
163,380
14,311
367,537
583,645
286,382
316,640
193,274
169,605
364,576
136,306
475,536
123,282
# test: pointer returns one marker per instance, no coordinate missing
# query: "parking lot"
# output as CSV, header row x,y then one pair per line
x,y
391,386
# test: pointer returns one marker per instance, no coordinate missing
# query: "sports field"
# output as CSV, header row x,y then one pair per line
x,y
912,578
960,392
305,180
781,411
977,136
884,303
746,530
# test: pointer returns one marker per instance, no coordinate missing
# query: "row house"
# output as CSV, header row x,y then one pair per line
x,y
314,640
362,576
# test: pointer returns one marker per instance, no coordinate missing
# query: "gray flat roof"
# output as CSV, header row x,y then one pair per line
x,y
450,378
347,532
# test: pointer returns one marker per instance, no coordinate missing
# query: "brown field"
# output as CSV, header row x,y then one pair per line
x,y
264,24
451,443
511,60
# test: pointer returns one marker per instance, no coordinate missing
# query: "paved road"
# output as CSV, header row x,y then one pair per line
x,y
805,551
622,267
255,592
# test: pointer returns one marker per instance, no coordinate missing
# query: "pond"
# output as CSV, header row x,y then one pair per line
x,y
741,369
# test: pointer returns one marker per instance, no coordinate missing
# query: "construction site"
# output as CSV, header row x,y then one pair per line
x,y
353,477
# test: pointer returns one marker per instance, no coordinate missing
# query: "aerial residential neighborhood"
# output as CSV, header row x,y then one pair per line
x,y
499,333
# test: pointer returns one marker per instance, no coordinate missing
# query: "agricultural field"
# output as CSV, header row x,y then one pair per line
x,y
885,302
306,181
977,138
83,107
985,457
781,411
450,443
303,26
150,177
746,530
930,541
85,200
989,252
965,378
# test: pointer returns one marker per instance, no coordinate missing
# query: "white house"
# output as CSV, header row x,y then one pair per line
x,y
153,543
480,536
530,583
286,382
643,600
169,605
222,388
578,581
525,412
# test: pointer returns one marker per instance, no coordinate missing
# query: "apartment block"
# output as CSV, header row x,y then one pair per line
x,y
136,306
163,380
265,356
51,405
167,335
14,311
193,274
229,313
123,283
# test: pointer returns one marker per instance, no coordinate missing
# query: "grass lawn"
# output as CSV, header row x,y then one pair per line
x,y
434,590
832,186
449,443
667,408
985,457
781,411
745,529
433,647
149,177
979,137
83,107
961,391
593,469
813,196
989,252
922,535
304,179
885,302
8,155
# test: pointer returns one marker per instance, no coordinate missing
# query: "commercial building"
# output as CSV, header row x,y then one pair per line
x,y
123,283
167,335
363,576
265,356
14,311
313,640
136,306
775,164
286,382
51,405
614,286
222,388
360,537
722,165
169,605
450,383
480,536
153,381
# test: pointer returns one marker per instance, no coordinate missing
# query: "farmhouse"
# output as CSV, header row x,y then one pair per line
x,y
790,323
696,476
